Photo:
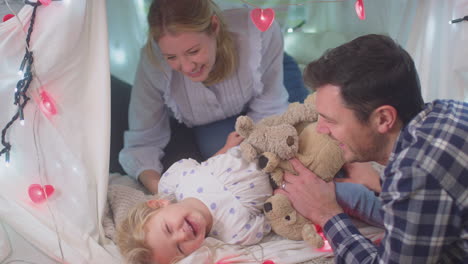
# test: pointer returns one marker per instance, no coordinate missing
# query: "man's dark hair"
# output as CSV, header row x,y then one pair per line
x,y
371,71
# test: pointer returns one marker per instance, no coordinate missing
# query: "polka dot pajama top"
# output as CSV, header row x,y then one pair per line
x,y
233,189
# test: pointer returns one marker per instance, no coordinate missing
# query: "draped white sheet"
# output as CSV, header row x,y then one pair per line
x,y
69,150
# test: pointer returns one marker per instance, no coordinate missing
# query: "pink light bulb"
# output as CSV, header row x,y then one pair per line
x,y
360,10
326,245
47,104
39,194
7,17
45,2
262,18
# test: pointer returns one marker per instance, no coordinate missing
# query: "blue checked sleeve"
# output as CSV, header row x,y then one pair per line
x,y
348,243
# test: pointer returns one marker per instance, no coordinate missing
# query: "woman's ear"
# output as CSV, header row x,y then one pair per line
x,y
157,203
215,24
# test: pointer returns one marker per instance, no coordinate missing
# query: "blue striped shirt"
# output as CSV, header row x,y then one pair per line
x,y
424,195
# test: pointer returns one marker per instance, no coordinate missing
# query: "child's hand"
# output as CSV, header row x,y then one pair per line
x,y
232,140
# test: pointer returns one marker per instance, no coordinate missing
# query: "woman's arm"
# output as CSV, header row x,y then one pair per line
x,y
149,130
274,97
150,179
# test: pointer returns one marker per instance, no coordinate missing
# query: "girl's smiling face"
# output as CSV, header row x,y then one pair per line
x,y
178,229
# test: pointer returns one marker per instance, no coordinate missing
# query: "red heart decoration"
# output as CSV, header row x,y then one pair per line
x,y
7,17
360,10
262,18
47,104
38,194
45,2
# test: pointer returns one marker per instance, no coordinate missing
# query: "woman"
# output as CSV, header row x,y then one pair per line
x,y
203,68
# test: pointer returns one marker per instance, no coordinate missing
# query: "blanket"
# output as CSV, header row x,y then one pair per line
x,y
124,193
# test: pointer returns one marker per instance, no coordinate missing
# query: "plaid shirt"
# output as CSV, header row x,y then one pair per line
x,y
424,195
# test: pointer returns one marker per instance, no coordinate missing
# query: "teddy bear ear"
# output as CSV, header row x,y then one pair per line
x,y
310,99
244,126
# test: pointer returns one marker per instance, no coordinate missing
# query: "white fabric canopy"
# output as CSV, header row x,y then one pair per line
x,y
68,150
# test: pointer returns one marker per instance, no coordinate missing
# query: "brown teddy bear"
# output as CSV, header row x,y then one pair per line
x,y
287,222
282,129
275,140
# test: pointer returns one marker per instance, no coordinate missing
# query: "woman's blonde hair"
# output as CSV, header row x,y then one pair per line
x,y
175,16
131,235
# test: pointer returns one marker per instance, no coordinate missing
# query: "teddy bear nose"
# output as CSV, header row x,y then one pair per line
x,y
262,161
268,207
290,141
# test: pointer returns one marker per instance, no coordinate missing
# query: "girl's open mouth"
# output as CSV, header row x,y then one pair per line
x,y
192,226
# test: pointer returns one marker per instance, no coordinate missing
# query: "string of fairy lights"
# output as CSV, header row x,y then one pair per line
x,y
21,97
26,73
263,18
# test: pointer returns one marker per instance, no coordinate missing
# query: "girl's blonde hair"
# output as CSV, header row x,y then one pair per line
x,y
131,235
175,16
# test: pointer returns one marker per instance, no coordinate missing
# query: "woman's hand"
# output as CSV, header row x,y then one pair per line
x,y
232,140
363,173
150,179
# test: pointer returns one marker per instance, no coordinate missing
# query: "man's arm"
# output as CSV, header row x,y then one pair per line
x,y
316,200
418,216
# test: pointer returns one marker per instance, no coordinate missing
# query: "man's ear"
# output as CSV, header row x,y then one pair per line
x,y
157,203
215,24
385,118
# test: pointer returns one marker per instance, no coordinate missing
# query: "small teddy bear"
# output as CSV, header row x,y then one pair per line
x,y
287,222
280,129
318,152
275,140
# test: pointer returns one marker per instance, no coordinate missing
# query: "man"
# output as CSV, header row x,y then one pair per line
x,y
369,100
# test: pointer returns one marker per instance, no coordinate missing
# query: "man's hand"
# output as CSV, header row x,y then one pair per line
x,y
232,140
312,197
150,180
362,173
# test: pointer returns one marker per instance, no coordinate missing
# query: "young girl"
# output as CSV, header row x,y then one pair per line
x,y
222,197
